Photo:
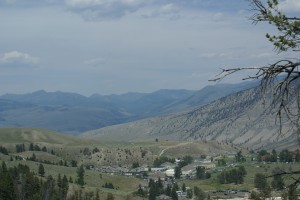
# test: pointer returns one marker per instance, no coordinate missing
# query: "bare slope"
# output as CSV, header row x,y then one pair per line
x,y
243,118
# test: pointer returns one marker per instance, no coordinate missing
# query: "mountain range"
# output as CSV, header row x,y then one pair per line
x,y
74,113
246,118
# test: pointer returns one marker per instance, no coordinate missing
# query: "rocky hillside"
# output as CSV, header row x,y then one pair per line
x,y
244,118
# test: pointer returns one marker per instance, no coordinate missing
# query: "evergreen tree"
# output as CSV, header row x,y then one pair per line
x,y
277,182
222,177
200,195
153,192
59,185
44,149
3,150
48,189
6,184
41,170
141,192
31,148
36,148
189,194
273,157
260,182
73,163
3,167
135,165
200,173
32,187
65,187
183,188
239,157
20,148
221,162
70,179
297,157
177,172
33,157
168,190
174,194
80,175
285,156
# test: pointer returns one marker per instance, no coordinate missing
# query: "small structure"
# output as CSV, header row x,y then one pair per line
x,y
157,169
181,193
168,165
163,197
170,172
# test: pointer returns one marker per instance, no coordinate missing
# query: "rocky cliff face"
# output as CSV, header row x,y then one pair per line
x,y
245,118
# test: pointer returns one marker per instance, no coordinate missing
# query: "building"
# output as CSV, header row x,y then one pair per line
x,y
170,172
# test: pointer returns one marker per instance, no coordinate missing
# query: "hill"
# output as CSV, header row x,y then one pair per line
x,y
104,162
244,118
97,152
27,135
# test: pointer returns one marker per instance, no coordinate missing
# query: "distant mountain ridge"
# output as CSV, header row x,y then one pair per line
x,y
74,113
244,118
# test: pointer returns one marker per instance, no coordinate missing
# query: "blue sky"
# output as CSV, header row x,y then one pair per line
x,y
117,46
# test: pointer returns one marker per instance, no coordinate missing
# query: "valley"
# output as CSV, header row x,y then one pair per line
x,y
214,149
124,170
73,113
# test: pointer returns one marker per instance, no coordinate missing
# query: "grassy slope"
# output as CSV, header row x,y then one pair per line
x,y
67,147
27,135
125,185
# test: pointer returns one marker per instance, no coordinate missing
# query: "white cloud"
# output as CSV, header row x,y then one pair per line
x,y
290,5
218,17
95,62
98,9
18,59
208,55
170,11
30,3
10,1
264,55
107,3
227,55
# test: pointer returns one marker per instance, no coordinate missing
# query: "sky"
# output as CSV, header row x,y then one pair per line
x,y
119,46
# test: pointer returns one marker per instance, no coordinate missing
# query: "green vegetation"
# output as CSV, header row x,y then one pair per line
x,y
41,170
201,173
108,185
20,183
80,176
162,159
3,150
135,165
232,176
70,168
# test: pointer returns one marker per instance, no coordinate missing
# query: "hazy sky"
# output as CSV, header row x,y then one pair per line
x,y
116,46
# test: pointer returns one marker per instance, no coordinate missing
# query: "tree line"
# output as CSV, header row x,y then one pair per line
x,y
283,156
235,175
19,182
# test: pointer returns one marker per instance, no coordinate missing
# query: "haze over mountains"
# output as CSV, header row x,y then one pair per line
x,y
244,118
74,113
229,113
